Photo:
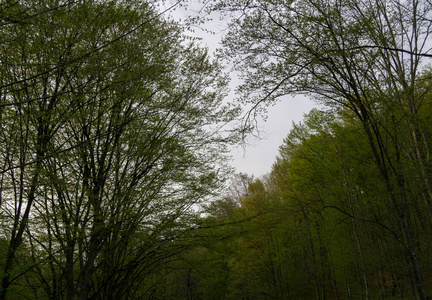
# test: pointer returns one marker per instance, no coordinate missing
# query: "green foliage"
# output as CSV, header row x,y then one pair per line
x,y
318,226
111,141
359,174
110,137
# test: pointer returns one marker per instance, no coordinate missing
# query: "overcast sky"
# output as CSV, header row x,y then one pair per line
x,y
258,157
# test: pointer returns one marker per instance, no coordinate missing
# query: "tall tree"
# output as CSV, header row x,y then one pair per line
x,y
111,134
366,56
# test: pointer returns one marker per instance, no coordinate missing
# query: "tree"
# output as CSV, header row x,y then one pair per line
x,y
365,56
111,131
337,193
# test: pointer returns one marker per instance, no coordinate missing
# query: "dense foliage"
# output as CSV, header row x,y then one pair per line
x,y
109,137
321,225
359,174
346,211
111,141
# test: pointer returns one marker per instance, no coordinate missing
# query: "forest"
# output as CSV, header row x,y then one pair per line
x,y
115,136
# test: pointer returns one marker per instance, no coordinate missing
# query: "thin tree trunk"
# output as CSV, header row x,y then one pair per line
x,y
20,225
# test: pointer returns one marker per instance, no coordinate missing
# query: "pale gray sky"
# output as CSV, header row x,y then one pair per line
x,y
258,157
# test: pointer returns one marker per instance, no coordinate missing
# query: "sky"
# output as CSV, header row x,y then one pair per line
x,y
258,156
257,159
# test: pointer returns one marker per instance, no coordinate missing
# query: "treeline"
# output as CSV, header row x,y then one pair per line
x,y
113,143
321,225
346,211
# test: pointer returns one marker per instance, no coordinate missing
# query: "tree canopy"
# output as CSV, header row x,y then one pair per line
x,y
113,152
366,57
110,136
